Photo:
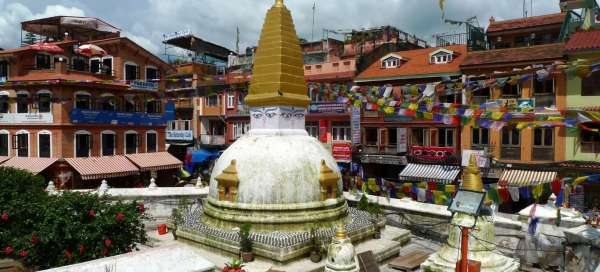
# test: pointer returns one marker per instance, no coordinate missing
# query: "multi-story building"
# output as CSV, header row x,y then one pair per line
x,y
237,115
197,89
387,139
519,48
77,117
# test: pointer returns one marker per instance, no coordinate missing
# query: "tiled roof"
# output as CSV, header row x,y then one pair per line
x,y
417,65
331,76
103,167
534,21
52,75
31,164
583,40
538,53
154,161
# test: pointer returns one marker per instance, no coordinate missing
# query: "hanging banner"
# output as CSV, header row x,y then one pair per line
x,y
342,151
402,140
355,123
323,130
328,108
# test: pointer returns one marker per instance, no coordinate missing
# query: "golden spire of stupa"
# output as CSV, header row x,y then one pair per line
x,y
472,176
278,75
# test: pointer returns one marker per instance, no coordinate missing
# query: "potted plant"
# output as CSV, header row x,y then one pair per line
x,y
376,211
235,265
246,243
315,252
176,220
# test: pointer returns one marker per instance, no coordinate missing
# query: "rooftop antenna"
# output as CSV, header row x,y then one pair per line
x,y
237,39
524,11
312,32
531,8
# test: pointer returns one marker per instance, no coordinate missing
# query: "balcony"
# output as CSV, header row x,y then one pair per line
x,y
212,139
184,104
543,153
83,116
544,100
510,152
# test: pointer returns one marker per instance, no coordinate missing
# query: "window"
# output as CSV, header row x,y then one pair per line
x,y
152,73
22,143
131,142
543,144
95,65
481,96
212,101
108,102
80,63
543,92
590,86
106,66
4,144
480,138
392,136
391,62
340,131
130,104
43,61
22,102
230,101
446,137
510,91
132,71
240,129
83,144
590,140
441,58
44,144
83,100
4,105
450,98
44,101
313,129
153,106
109,143
151,141
371,136
3,70
420,137
510,147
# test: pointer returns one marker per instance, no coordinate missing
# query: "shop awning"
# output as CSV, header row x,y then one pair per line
x,y
518,178
103,167
202,155
31,164
154,161
429,172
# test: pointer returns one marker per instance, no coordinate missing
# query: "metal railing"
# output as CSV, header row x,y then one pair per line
x,y
450,39
543,153
510,152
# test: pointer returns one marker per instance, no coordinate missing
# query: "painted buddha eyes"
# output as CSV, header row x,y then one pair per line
x,y
298,115
270,114
286,115
257,115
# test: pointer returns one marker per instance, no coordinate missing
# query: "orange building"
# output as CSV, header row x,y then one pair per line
x,y
72,115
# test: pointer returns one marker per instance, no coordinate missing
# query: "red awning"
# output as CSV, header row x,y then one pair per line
x,y
47,47
154,161
103,167
31,164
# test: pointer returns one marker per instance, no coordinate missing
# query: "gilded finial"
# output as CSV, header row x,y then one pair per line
x,y
340,232
278,3
471,176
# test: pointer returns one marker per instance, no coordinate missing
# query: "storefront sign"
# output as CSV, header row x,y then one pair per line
x,y
26,118
431,152
342,151
402,140
355,123
79,116
328,108
323,128
177,34
482,158
144,85
396,118
180,135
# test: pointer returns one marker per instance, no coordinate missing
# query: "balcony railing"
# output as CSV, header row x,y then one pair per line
x,y
212,139
543,153
184,104
510,153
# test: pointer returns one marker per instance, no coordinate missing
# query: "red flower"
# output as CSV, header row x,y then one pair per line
x,y
141,208
4,217
92,213
34,239
23,253
107,242
120,216
69,254
81,250
8,250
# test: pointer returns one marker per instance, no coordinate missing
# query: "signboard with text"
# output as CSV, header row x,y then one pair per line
x,y
26,118
342,151
402,140
180,135
327,108
355,125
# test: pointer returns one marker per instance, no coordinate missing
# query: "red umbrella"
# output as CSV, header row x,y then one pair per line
x,y
46,47
91,50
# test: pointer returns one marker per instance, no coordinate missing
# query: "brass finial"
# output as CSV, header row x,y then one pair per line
x,y
340,232
278,72
472,177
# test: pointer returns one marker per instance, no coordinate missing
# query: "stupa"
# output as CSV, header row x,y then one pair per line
x,y
481,242
277,178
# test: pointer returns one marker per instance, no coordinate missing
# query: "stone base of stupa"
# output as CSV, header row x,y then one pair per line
x,y
278,246
445,259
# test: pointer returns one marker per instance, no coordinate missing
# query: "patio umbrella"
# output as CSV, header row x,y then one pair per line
x,y
91,50
47,47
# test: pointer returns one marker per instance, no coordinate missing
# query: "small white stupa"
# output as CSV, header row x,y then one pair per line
x,y
341,256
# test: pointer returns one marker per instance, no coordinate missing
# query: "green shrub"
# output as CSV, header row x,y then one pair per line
x,y
44,231
245,241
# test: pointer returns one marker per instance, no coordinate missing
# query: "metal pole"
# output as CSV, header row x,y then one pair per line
x,y
464,249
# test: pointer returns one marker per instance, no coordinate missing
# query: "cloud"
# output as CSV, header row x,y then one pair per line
x,y
12,14
143,42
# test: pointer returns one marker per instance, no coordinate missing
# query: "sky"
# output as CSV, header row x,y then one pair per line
x,y
145,21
